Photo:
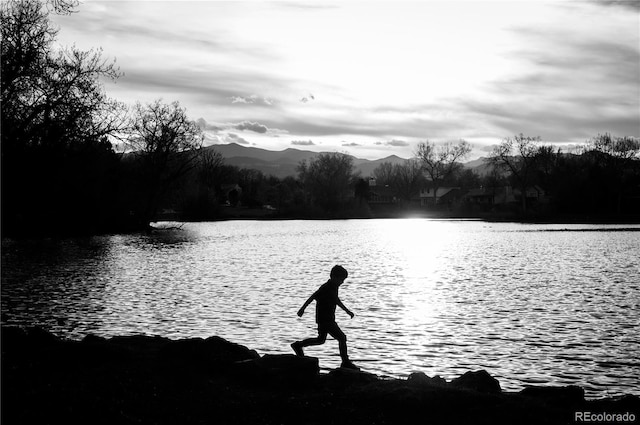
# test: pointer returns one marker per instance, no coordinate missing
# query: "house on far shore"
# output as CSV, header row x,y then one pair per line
x,y
482,196
442,196
487,197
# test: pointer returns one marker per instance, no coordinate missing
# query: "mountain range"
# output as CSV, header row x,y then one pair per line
x,y
283,163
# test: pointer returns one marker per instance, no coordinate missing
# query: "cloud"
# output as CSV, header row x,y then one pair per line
x,y
234,138
395,142
251,126
302,143
415,120
570,88
193,86
252,100
332,126
121,21
181,81
352,144
240,99
563,121
633,5
565,61
204,125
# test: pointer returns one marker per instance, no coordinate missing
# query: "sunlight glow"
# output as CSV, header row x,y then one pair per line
x,y
418,244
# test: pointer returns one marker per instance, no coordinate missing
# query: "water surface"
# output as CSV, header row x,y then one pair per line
x,y
531,304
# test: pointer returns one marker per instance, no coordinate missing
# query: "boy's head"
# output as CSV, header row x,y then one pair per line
x,y
338,273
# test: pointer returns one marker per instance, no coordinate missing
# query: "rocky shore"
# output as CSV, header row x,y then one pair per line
x,y
153,380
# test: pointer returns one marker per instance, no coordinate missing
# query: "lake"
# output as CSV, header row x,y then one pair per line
x,y
531,304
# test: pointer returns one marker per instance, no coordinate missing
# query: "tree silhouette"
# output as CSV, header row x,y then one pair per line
x,y
51,98
517,156
384,174
408,178
440,162
616,161
56,122
166,144
327,179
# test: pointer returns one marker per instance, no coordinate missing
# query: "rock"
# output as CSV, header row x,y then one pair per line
x,y
13,336
51,380
32,336
289,363
141,347
94,339
100,350
39,336
229,351
282,367
565,395
213,353
628,402
188,352
14,343
479,381
351,376
421,378
28,342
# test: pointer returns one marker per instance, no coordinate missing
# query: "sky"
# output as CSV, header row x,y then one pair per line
x,y
374,79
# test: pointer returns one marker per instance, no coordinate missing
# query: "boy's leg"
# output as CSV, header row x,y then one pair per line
x,y
297,348
319,340
335,331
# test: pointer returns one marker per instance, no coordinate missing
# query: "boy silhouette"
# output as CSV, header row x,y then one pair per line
x,y
326,298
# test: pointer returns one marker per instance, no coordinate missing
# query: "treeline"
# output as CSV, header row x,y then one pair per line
x,y
323,187
601,179
598,180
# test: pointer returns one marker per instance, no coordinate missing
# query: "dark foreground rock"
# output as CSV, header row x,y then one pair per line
x,y
152,380
479,381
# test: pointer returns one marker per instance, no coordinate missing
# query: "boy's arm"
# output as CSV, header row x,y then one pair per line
x,y
306,303
342,306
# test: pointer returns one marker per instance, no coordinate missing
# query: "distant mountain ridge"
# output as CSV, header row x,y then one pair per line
x,y
283,163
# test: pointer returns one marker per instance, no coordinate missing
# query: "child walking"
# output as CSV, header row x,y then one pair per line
x,y
326,298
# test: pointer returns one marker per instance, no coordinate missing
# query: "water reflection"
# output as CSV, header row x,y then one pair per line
x,y
528,304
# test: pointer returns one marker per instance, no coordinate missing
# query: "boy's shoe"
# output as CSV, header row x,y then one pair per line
x,y
348,365
297,348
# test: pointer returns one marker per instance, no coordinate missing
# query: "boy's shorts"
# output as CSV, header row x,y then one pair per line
x,y
332,329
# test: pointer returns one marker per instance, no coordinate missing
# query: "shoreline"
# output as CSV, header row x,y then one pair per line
x,y
245,213
260,215
441,217
144,379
